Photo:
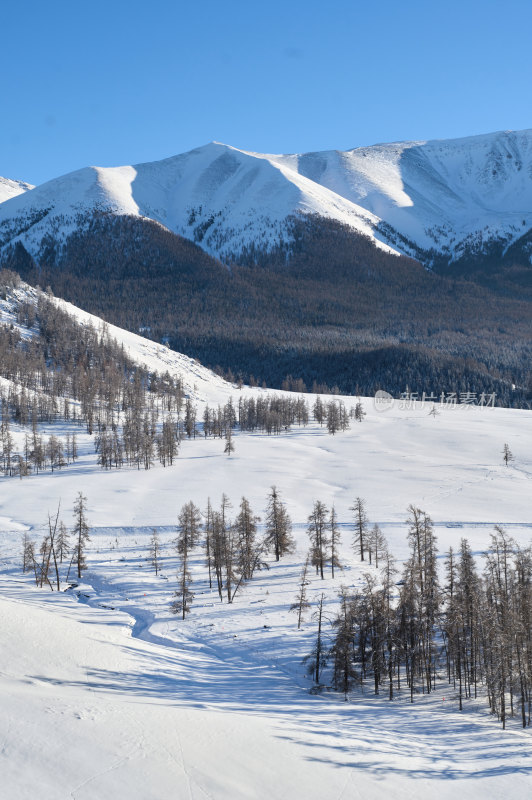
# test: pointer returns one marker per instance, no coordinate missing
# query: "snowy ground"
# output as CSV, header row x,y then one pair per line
x,y
126,700
98,704
106,694
449,465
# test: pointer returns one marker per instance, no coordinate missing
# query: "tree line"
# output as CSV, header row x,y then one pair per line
x,y
334,310
76,374
412,630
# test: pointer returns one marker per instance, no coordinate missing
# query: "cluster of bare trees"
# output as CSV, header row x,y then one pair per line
x,y
58,543
233,553
274,414
139,441
469,628
75,374
472,630
324,534
142,437
487,625
69,373
335,415
38,452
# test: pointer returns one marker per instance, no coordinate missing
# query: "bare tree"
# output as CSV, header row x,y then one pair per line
x,y
317,531
62,542
155,551
507,454
188,528
246,531
344,672
361,526
28,552
359,412
52,534
208,527
334,541
377,545
317,658
278,534
301,603
184,594
80,532
229,444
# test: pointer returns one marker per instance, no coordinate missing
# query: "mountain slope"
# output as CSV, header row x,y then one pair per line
x,y
10,188
222,198
340,312
437,194
439,201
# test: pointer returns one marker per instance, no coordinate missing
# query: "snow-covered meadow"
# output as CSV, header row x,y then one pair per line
x,y
106,693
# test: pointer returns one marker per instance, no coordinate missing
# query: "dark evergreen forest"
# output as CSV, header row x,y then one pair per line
x,y
328,310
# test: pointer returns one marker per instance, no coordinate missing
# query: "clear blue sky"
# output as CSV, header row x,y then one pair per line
x,y
118,82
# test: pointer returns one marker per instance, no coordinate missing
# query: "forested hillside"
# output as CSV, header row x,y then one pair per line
x,y
331,310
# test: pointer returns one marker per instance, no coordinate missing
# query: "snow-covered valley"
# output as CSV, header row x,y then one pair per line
x,y
93,705
105,692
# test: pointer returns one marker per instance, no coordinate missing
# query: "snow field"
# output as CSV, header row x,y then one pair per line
x,y
106,694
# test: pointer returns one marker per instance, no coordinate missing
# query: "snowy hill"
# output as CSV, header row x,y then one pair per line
x,y
222,198
427,199
9,188
201,383
437,194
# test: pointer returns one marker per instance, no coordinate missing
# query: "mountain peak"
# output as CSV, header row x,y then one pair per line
x,y
420,197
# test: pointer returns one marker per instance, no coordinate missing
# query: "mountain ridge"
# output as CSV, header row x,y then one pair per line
x,y
12,188
439,201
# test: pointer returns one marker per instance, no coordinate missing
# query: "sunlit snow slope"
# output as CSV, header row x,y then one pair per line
x,y
435,193
448,196
222,198
9,188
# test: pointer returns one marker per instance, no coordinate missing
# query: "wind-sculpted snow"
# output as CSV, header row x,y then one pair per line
x,y
446,198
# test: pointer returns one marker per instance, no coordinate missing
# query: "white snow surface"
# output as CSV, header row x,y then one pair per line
x,y
10,188
439,194
201,383
106,694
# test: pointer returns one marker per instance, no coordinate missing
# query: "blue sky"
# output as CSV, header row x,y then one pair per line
x,y
118,82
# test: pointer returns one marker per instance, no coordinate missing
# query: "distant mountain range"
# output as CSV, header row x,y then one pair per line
x,y
383,267
440,202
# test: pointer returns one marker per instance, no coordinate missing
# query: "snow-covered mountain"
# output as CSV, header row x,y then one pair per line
x,y
10,188
222,198
444,198
440,195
